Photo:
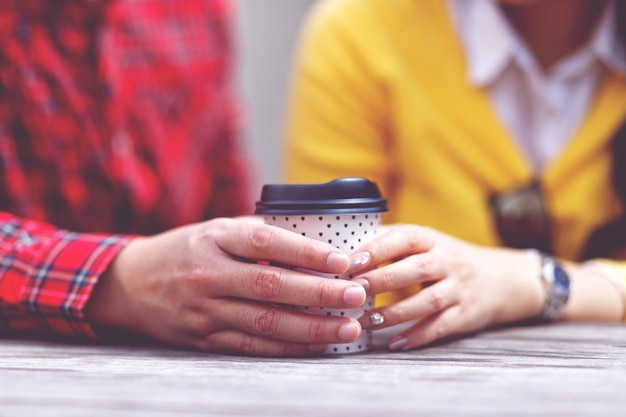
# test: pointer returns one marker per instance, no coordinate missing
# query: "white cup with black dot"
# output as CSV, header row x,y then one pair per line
x,y
345,212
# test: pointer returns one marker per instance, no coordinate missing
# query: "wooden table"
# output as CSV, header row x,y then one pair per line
x,y
555,370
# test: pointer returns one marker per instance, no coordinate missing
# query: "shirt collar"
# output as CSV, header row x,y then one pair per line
x,y
490,51
487,50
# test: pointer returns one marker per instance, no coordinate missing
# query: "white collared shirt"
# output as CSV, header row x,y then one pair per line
x,y
541,111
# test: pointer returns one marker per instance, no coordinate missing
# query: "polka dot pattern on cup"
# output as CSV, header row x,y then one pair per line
x,y
346,232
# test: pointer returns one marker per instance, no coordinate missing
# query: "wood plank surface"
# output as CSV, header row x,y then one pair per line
x,y
554,370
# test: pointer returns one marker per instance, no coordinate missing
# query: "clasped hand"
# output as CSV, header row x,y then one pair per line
x,y
465,287
210,286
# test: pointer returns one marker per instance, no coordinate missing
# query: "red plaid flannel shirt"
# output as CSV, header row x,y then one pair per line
x,y
117,117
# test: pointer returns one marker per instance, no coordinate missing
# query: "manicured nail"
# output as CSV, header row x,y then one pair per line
x,y
365,283
398,343
348,332
338,262
361,259
354,296
377,318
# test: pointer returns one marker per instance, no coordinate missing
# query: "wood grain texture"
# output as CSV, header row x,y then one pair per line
x,y
555,370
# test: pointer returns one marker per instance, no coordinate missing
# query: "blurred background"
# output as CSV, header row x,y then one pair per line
x,y
267,33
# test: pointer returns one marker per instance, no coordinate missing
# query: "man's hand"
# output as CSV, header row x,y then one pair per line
x,y
210,286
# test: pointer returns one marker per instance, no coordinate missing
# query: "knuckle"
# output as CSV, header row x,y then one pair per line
x,y
198,323
291,349
247,345
267,284
399,313
261,237
435,299
212,229
385,280
410,231
439,329
220,223
425,264
206,344
196,326
193,273
265,322
316,332
415,235
383,247
321,296
307,251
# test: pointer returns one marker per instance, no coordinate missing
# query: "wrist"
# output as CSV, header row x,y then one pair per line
x,y
110,303
606,275
525,295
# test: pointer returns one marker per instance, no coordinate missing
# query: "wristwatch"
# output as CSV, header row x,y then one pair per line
x,y
557,285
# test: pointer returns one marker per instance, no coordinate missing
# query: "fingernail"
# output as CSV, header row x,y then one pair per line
x,y
348,332
365,283
377,318
360,259
338,262
398,343
316,349
354,296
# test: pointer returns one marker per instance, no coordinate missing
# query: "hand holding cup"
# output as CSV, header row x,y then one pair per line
x,y
345,213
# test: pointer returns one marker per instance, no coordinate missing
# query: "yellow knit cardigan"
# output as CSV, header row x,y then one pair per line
x,y
381,91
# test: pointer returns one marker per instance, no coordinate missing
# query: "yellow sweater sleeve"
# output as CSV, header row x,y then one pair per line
x,y
337,121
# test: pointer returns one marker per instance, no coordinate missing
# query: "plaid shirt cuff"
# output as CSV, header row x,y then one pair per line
x,y
47,276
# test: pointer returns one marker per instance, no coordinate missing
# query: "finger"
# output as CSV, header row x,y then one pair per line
x,y
262,242
440,325
414,269
286,286
238,342
398,242
273,322
427,302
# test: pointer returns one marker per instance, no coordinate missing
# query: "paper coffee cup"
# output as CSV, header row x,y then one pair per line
x,y
345,213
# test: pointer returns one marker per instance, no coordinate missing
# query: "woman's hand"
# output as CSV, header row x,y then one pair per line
x,y
210,286
466,287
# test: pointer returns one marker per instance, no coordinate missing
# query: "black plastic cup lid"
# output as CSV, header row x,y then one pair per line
x,y
342,195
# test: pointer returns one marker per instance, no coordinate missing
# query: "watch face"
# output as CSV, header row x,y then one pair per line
x,y
560,278
558,285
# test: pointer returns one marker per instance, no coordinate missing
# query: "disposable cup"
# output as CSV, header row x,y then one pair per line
x,y
345,213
